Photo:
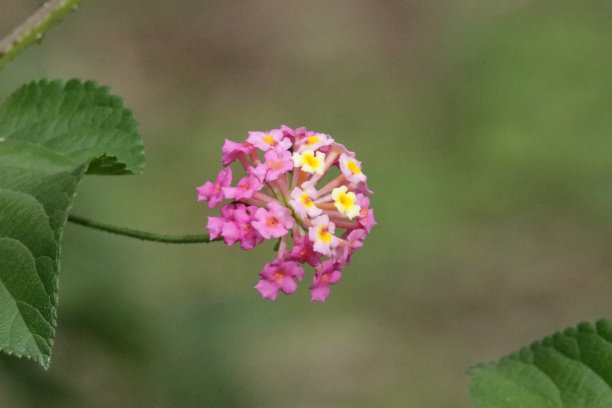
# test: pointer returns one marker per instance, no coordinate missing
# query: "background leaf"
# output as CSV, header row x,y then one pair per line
x,y
51,134
566,370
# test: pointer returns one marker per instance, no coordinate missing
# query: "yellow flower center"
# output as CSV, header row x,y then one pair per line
x,y
352,166
345,200
306,200
312,140
269,139
311,161
324,235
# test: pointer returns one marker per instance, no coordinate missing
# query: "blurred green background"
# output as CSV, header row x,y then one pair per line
x,y
485,128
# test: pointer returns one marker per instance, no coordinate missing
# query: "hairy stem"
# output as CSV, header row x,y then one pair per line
x,y
145,236
33,29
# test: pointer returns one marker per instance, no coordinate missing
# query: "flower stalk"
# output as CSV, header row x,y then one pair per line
x,y
142,235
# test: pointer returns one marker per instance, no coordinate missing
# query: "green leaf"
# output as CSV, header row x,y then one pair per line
x,y
569,369
51,134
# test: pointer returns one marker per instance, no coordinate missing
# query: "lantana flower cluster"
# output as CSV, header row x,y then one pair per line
x,y
300,188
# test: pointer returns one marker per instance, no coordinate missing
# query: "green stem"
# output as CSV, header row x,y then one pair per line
x,y
33,29
145,236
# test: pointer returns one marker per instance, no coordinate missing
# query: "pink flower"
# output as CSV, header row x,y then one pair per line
x,y
273,223
231,232
278,162
231,151
352,240
247,186
303,203
321,233
293,134
303,252
362,188
279,275
329,273
235,225
227,211
315,141
351,168
248,236
260,170
214,226
213,192
283,197
366,214
268,140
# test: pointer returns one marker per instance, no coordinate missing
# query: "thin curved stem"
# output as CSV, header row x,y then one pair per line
x,y
33,29
145,236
